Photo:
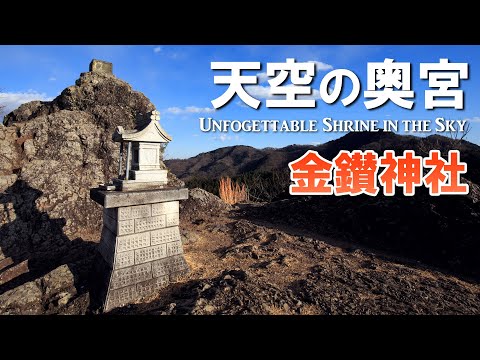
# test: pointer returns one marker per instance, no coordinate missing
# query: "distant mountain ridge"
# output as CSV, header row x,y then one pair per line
x,y
440,231
240,159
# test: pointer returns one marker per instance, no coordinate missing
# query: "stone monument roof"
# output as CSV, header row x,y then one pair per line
x,y
152,132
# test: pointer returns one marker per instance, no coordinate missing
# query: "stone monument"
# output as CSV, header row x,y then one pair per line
x,y
101,66
144,151
141,251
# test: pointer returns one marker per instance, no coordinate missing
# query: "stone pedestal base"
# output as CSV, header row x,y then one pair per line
x,y
140,243
149,175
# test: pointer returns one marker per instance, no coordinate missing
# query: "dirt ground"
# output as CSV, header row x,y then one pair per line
x,y
244,261
241,265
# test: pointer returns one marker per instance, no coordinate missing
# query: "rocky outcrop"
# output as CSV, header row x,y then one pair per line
x,y
64,147
48,294
201,203
51,154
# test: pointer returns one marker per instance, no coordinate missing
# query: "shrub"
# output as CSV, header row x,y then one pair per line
x,y
231,192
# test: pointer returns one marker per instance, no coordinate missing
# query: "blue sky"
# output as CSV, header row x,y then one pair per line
x,y
180,82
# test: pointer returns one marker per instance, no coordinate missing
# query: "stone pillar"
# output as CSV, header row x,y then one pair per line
x,y
100,66
140,244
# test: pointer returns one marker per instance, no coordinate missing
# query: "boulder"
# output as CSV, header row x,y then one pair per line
x,y
201,203
47,294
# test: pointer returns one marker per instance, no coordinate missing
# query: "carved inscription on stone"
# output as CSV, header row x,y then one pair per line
x,y
141,211
132,242
131,275
172,219
150,253
174,248
125,227
150,286
121,296
149,223
134,212
119,227
166,235
165,208
142,244
166,266
124,259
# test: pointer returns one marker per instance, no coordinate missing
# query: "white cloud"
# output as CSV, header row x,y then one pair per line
x,y
12,100
475,119
52,78
222,138
316,143
321,66
242,104
262,77
170,53
188,110
225,137
259,91
265,92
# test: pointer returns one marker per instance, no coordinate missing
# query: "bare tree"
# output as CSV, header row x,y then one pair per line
x,y
454,142
425,145
457,136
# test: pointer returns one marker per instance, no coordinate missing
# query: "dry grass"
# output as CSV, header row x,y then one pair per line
x,y
232,193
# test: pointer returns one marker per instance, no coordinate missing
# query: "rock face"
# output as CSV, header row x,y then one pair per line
x,y
47,294
201,203
51,154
